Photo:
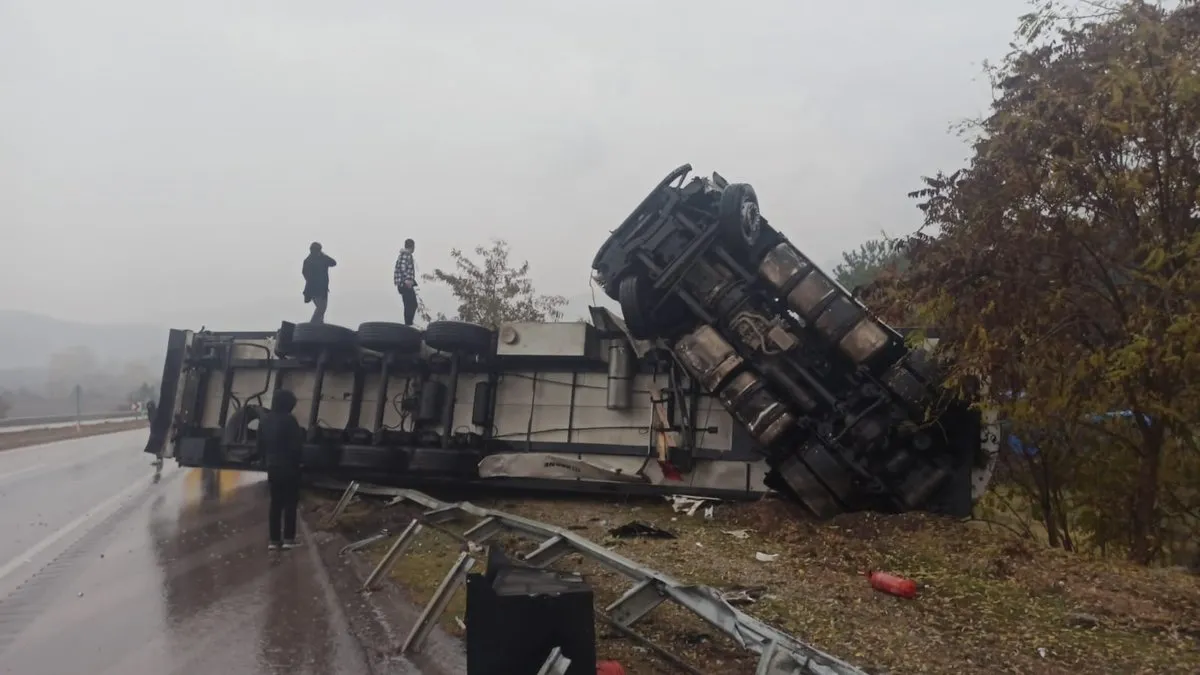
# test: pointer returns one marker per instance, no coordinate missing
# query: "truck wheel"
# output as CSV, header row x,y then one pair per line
x,y
633,308
458,336
646,319
392,338
738,216
322,336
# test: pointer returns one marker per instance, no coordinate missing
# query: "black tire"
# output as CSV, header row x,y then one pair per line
x,y
645,317
391,338
738,216
634,308
323,336
237,428
458,337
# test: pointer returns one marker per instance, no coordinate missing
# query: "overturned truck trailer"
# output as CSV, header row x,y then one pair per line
x,y
847,416
557,406
738,367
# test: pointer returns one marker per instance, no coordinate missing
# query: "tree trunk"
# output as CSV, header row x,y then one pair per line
x,y
1048,511
1142,547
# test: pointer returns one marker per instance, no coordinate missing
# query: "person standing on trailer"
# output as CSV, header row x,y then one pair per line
x,y
405,278
316,281
281,442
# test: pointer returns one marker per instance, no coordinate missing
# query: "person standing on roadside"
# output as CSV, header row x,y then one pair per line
x,y
281,442
405,278
316,281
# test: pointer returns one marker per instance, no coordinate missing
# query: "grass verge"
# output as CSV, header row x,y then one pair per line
x,y
988,602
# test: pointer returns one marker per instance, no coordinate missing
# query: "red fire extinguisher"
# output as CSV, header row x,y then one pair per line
x,y
893,585
609,668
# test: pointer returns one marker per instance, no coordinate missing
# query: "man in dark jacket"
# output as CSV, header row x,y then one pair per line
x,y
316,281
280,442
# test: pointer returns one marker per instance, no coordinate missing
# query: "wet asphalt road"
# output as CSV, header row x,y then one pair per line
x,y
103,570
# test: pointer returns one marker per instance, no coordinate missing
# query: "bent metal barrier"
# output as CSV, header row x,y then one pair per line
x,y
779,653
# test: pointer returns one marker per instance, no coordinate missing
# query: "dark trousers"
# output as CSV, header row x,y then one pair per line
x,y
409,296
319,305
285,495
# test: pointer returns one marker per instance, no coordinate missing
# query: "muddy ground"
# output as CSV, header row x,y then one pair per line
x,y
987,601
20,439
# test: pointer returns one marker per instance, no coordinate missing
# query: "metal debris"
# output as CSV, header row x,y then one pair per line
x,y
688,504
636,528
779,653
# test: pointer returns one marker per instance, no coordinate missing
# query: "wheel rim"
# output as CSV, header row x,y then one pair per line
x,y
750,221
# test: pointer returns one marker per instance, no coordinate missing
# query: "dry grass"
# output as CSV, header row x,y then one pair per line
x,y
988,602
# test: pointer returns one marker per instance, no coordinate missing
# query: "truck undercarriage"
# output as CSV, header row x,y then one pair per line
x,y
847,415
738,368
543,406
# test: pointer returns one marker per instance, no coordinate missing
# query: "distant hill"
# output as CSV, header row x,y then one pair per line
x,y
27,340
122,357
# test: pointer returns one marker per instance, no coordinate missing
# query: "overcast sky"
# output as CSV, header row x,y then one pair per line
x,y
170,162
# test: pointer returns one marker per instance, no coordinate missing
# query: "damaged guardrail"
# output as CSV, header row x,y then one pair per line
x,y
779,653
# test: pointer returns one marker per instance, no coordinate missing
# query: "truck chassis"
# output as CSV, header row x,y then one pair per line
x,y
531,406
848,416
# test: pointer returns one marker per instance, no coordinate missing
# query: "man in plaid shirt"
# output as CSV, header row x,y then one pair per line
x,y
405,278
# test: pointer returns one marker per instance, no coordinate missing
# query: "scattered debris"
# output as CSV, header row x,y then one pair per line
x,y
743,595
709,512
765,557
893,584
636,528
688,504
460,623
738,534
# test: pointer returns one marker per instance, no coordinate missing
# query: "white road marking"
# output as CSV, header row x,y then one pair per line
x,y
109,504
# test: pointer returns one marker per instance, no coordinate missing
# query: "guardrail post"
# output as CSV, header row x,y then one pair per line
x,y
556,663
399,548
437,604
351,490
549,552
485,530
636,603
363,543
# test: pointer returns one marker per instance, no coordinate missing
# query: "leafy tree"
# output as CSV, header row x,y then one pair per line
x,y
1065,269
491,291
862,266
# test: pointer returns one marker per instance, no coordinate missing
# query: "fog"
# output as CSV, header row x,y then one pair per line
x,y
169,163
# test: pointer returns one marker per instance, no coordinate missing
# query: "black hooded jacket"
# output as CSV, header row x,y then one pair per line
x,y
316,275
280,436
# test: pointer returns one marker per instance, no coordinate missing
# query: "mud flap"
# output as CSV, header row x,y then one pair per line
x,y
168,394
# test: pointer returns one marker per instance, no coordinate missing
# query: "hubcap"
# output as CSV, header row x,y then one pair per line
x,y
750,220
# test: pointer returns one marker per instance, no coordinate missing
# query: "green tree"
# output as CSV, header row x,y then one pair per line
x,y
1065,265
862,266
490,290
